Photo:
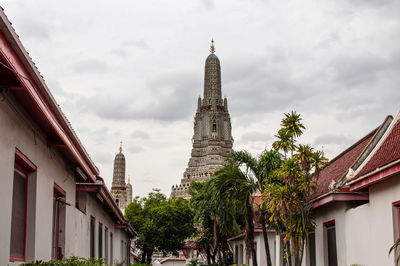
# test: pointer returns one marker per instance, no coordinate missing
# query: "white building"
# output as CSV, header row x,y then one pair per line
x,y
356,207
53,202
357,203
240,255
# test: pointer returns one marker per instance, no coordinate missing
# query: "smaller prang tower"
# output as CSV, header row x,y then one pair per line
x,y
212,139
121,191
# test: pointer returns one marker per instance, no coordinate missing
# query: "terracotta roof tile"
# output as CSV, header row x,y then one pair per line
x,y
386,153
339,166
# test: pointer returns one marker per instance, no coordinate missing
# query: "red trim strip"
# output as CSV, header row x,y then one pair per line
x,y
23,161
88,188
14,258
329,223
380,176
59,191
340,197
20,169
119,226
396,203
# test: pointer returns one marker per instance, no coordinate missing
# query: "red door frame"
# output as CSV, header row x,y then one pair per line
x,y
25,172
23,165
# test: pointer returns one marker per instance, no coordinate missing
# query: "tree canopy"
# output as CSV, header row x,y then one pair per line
x,y
162,224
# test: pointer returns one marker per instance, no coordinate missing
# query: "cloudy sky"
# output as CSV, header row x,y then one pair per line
x,y
131,71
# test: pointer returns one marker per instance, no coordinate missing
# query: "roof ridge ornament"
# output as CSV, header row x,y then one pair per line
x,y
212,49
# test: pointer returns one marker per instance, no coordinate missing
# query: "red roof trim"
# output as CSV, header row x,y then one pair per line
x,y
89,187
336,197
380,176
109,201
13,60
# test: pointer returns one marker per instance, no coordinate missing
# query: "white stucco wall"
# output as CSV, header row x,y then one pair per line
x,y
370,229
17,131
173,263
81,240
260,249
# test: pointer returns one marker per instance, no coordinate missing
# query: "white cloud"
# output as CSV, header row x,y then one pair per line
x,y
132,72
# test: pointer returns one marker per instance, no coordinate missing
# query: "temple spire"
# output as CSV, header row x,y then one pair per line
x,y
120,146
212,79
212,49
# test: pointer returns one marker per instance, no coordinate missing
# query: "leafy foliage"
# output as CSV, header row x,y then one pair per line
x,y
225,202
72,261
162,224
286,195
218,220
394,248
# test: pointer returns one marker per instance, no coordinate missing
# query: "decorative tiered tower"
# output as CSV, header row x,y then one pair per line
x,y
121,191
212,139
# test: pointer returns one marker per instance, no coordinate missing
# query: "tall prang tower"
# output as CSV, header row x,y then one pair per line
x,y
121,191
212,139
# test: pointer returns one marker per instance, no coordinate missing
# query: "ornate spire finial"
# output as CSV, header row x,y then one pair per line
x,y
212,49
120,146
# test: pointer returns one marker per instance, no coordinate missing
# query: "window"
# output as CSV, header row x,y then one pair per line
x,y
18,218
311,248
396,219
236,254
214,127
80,201
111,248
106,245
122,249
100,240
396,224
58,242
330,229
92,220
241,255
22,169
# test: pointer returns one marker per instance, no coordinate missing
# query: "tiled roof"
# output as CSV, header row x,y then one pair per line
x,y
388,151
339,166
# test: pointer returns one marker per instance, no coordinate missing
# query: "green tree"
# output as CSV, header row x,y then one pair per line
x,y
161,224
217,220
258,171
232,184
286,194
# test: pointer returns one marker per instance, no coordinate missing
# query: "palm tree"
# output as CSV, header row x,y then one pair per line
x,y
231,184
287,195
292,123
260,169
218,219
292,126
284,143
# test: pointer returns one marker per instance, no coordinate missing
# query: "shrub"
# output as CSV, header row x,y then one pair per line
x,y
72,261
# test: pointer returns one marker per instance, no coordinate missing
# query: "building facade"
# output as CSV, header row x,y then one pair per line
x,y
121,191
212,139
54,204
357,202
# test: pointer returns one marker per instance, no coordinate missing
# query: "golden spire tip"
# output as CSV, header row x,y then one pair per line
x,y
212,49
120,146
